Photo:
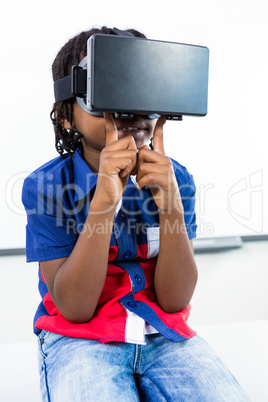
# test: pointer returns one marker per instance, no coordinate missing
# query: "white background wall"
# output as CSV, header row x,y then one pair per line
x,y
225,151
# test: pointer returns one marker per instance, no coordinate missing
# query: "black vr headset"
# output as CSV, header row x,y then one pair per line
x,y
126,75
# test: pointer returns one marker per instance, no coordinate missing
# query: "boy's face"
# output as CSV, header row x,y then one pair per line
x,y
92,128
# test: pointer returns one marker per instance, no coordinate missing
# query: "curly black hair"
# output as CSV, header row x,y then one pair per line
x,y
70,55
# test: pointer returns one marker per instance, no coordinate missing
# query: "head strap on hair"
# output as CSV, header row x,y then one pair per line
x,y
122,33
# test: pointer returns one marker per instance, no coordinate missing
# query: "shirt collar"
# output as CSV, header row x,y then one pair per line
x,y
85,180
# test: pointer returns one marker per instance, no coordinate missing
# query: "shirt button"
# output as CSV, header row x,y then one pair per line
x,y
132,304
138,279
127,255
123,214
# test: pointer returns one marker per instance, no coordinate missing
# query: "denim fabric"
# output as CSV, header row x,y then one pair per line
x,y
80,370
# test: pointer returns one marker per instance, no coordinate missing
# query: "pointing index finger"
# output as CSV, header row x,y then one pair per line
x,y
111,130
158,139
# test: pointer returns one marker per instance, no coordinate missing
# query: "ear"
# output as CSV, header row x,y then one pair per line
x,y
66,124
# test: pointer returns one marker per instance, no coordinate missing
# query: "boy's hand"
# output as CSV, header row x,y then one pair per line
x,y
117,160
155,170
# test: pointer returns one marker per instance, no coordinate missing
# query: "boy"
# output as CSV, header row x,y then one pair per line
x,y
110,223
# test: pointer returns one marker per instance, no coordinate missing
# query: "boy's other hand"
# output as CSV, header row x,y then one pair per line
x,y
155,170
117,160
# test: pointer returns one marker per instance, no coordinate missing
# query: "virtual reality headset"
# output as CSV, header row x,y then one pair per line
x,y
126,75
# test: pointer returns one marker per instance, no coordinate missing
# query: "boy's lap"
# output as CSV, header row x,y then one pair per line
x,y
161,370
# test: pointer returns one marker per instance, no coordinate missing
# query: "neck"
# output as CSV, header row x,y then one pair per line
x,y
92,158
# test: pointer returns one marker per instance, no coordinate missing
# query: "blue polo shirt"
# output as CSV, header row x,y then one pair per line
x,y
56,198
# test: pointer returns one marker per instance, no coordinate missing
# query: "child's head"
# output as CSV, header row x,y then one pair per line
x,y
70,55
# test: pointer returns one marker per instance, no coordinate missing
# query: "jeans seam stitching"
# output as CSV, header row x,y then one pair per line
x,y
140,360
135,358
46,380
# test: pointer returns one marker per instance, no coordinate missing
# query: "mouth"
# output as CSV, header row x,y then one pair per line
x,y
135,130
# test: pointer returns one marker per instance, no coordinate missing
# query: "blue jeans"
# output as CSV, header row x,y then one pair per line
x,y
80,370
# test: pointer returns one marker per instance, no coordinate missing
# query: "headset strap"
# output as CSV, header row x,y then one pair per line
x,y
74,85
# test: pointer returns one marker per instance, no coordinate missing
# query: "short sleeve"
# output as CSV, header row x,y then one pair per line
x,y
48,231
188,200
188,195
